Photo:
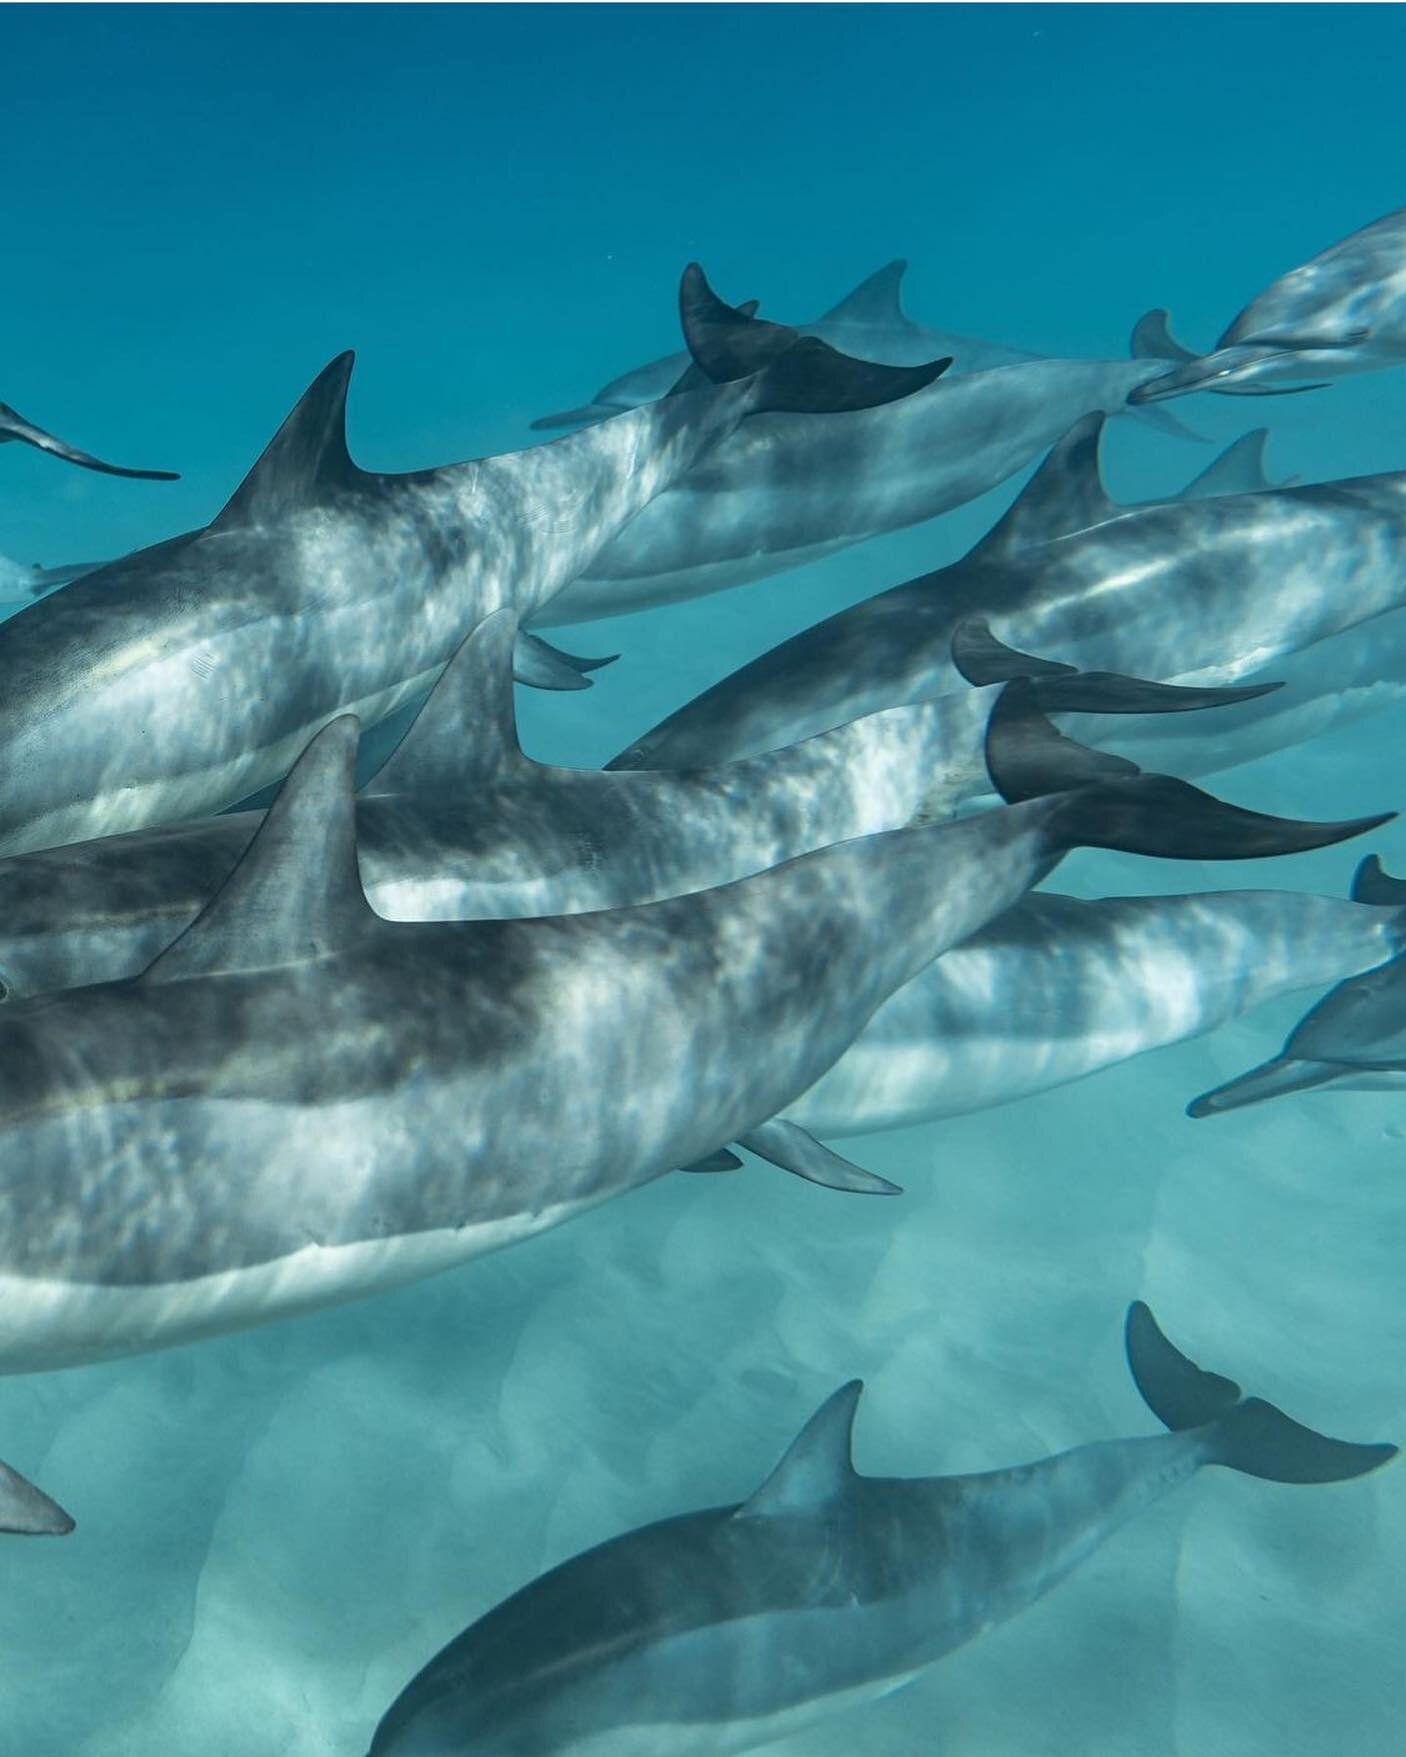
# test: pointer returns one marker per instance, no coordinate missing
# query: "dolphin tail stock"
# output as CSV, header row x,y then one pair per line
x,y
26,1511
1242,1433
793,374
1108,802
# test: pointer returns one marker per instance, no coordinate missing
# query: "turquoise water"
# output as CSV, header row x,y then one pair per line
x,y
492,205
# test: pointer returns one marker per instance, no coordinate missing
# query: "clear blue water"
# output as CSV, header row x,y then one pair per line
x,y
200,207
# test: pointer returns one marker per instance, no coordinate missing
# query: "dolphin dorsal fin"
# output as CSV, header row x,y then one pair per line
x,y
1065,494
307,460
879,299
296,893
1238,470
818,1466
466,733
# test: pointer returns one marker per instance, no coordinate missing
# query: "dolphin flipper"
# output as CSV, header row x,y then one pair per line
x,y
14,426
787,1145
28,1511
1247,1435
723,1160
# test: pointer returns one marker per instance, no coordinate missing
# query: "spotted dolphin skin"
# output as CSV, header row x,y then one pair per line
x,y
868,323
1208,590
300,1103
1342,312
1354,1038
26,1511
14,428
718,1631
460,824
186,676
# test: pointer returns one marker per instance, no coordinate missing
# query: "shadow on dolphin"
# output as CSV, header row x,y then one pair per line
x,y
1354,1037
14,427
26,1511
725,1629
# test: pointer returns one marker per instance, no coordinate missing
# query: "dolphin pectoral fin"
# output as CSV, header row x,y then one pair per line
x,y
1372,883
27,1511
14,426
983,659
817,1468
1262,390
588,412
1164,421
1109,692
1248,1435
1325,341
723,1160
1272,1079
540,665
788,1146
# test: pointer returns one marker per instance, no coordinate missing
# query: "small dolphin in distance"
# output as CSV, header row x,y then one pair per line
x,y
717,1631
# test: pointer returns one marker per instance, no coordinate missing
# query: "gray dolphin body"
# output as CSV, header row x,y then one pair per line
x,y
868,323
14,428
300,1103
1354,1038
26,1511
459,824
725,1629
1060,987
790,489
1209,590
184,677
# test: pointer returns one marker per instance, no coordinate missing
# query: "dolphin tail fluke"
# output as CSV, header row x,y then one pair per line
x,y
795,374
1272,1079
1112,804
1248,1435
28,1511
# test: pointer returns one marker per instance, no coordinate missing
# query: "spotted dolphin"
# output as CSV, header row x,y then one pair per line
x,y
15,429
1208,590
1341,312
27,1511
1059,987
824,1590
869,323
300,1102
186,676
1353,1038
461,824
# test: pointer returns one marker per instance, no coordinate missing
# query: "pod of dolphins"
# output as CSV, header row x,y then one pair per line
x,y
254,1062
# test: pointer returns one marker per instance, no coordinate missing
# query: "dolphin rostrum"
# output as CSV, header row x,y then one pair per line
x,y
1341,312
14,427
725,1629
460,824
1354,1037
186,676
27,1511
1207,590
300,1103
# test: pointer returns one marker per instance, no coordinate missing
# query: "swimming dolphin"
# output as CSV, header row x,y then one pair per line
x,y
721,1630
460,824
186,676
1341,312
27,1511
1212,590
1353,1038
1060,987
14,427
300,1103
789,489
868,323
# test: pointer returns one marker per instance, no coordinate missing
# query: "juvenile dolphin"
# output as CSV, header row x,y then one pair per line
x,y
461,824
721,1630
1060,987
1211,590
1355,1037
28,1511
868,323
183,678
300,1102
1341,312
14,427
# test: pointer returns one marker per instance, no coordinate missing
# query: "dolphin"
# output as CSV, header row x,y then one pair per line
x,y
27,1511
869,323
1208,590
824,1590
1354,1037
1060,987
183,678
300,1102
14,428
1341,312
790,489
460,824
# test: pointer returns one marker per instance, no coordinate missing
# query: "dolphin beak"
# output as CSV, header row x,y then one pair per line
x,y
1273,1079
